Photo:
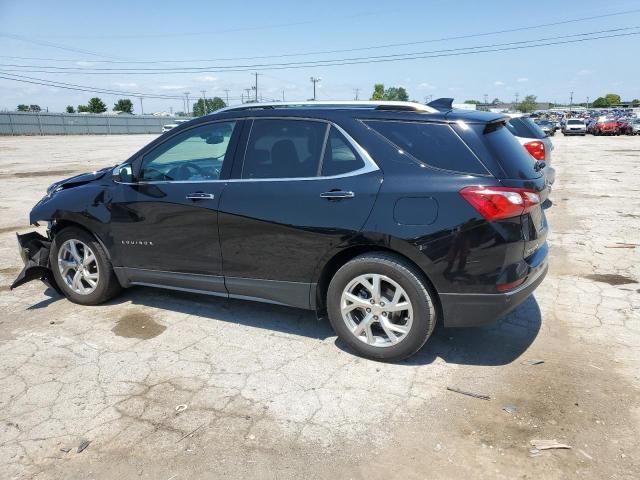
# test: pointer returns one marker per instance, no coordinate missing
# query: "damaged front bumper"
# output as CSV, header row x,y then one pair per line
x,y
34,250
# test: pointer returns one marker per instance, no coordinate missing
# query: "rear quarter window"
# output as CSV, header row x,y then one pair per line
x,y
515,160
525,127
436,145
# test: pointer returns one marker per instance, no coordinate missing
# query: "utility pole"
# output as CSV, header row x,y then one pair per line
x,y
357,92
570,102
516,105
485,98
226,90
204,99
314,80
141,107
255,87
248,97
587,103
283,95
186,94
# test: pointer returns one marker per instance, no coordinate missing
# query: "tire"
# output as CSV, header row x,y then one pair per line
x,y
375,342
97,281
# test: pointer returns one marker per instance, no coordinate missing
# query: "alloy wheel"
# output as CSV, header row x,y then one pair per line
x,y
78,266
377,310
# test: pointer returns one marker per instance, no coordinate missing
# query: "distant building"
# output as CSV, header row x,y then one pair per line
x,y
506,107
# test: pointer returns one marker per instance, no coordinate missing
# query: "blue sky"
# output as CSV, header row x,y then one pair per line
x,y
84,34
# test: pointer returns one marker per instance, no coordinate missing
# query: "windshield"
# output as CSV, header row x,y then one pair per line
x,y
575,122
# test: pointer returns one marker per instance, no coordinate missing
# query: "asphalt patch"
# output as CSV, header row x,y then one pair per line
x,y
42,173
138,325
611,278
12,228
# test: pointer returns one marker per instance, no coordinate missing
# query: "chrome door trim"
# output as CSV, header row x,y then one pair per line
x,y
370,164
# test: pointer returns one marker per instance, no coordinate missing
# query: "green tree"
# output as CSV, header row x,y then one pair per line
x,y
473,102
396,93
83,109
495,101
391,93
528,104
600,102
70,109
96,105
22,108
123,105
378,92
635,102
34,108
612,98
201,107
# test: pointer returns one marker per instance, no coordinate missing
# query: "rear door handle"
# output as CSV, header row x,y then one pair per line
x,y
337,194
200,196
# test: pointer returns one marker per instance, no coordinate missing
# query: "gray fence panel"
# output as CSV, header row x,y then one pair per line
x,y
45,123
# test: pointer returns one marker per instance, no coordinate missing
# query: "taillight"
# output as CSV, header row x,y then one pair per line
x,y
536,149
495,203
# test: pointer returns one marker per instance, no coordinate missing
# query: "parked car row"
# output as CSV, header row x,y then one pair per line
x,y
595,122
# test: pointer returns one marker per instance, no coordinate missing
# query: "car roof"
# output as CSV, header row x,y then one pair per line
x,y
370,109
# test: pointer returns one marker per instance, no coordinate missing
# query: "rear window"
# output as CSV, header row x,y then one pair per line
x,y
515,160
436,145
525,127
575,122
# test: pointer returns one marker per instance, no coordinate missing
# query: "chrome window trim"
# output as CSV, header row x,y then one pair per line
x,y
370,164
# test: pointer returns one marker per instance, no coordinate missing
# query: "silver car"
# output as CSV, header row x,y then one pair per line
x,y
574,126
534,140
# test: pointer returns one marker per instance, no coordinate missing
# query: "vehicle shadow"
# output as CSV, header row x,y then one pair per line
x,y
496,344
266,316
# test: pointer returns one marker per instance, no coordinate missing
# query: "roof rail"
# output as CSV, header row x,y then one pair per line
x,y
370,104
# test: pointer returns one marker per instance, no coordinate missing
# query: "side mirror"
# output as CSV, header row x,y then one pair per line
x,y
123,173
215,139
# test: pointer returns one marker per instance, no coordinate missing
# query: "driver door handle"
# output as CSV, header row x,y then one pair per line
x,y
337,194
200,196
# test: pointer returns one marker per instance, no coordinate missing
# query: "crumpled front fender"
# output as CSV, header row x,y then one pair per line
x,y
34,250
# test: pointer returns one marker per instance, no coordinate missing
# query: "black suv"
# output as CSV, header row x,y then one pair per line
x,y
387,217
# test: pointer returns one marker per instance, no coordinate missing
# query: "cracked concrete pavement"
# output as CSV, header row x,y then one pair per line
x,y
269,391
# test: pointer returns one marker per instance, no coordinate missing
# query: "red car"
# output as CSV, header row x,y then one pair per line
x,y
606,126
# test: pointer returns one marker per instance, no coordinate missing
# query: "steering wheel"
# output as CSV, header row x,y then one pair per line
x,y
185,171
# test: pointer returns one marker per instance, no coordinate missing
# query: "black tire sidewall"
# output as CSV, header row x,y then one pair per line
x,y
104,290
422,302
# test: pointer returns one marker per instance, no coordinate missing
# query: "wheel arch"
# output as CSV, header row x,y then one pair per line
x,y
58,225
347,254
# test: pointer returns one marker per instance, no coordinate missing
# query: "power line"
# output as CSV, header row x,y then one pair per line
x,y
322,52
216,32
90,89
55,45
548,41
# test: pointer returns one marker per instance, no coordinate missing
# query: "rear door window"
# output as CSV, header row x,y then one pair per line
x,y
284,149
436,145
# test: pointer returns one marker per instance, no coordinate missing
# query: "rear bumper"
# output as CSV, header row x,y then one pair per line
x,y
475,309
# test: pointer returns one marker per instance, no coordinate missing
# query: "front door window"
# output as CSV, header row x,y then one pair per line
x,y
194,155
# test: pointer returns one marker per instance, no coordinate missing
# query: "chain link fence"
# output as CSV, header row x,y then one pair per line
x,y
44,123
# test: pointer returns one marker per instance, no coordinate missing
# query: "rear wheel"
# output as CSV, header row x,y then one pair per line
x,y
81,267
380,305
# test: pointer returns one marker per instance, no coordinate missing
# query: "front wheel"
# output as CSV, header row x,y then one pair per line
x,y
81,267
381,306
